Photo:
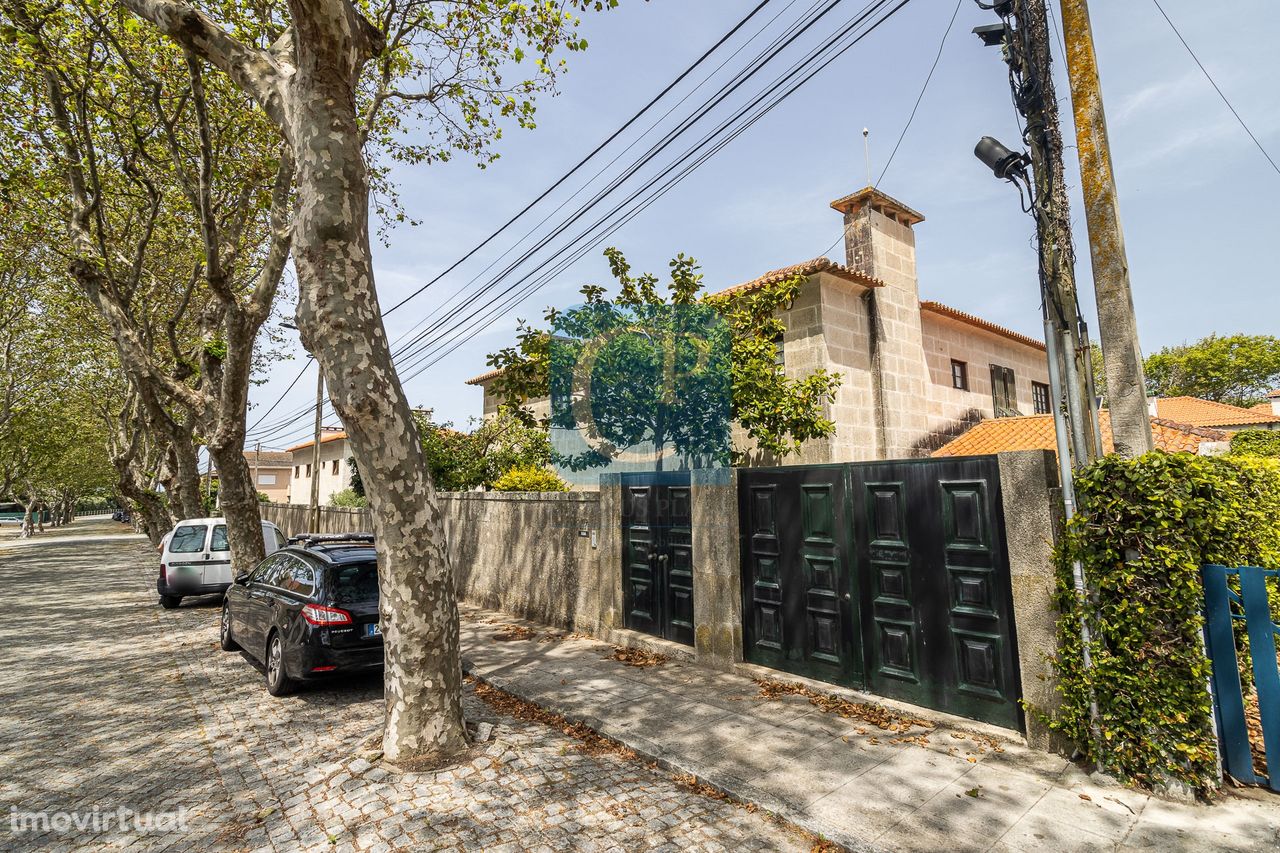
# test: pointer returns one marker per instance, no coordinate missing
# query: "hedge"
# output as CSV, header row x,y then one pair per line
x,y
530,479
1142,530
1256,442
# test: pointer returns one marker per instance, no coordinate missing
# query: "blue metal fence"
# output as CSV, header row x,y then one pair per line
x,y
1223,607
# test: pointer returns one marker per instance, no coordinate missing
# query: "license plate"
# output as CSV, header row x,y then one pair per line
x,y
372,630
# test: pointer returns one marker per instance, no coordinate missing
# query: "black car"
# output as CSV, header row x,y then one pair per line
x,y
310,610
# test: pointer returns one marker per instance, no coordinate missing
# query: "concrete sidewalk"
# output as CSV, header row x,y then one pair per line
x,y
847,779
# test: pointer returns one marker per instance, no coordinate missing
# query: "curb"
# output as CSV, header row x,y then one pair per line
x,y
731,787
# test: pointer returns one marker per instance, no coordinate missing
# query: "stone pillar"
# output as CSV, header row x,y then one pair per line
x,y
599,608
880,242
1032,518
717,581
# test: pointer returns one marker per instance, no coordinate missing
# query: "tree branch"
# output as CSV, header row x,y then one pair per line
x,y
256,72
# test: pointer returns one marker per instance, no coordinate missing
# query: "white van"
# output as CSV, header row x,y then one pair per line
x,y
195,558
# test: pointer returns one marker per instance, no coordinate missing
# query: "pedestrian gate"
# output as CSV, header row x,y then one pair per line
x,y
886,576
657,549
1224,606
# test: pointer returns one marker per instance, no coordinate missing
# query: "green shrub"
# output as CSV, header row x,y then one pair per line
x,y
1256,442
1143,529
348,499
530,479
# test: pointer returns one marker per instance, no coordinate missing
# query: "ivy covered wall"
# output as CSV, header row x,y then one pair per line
x,y
1143,529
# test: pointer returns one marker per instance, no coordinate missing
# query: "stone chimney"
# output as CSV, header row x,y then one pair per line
x,y
879,241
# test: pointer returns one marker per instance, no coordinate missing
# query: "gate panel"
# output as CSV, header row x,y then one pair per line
x,y
657,556
892,575
939,625
797,585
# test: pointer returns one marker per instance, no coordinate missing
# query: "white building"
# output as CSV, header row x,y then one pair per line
x,y
335,473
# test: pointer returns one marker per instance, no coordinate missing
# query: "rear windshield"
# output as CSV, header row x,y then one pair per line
x,y
354,584
188,539
218,541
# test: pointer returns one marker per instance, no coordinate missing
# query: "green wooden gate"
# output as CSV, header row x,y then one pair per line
x,y
657,555
885,576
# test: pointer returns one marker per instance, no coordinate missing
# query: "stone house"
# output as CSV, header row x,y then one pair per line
x,y
915,373
334,473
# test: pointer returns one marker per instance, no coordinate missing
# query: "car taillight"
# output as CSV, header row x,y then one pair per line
x,y
164,573
318,614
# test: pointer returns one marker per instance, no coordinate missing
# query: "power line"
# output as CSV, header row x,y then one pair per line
x,y
920,97
420,341
422,351
675,82
1215,86
679,78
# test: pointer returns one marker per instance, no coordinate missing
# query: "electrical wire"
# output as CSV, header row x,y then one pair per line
x,y
920,97
806,69
1215,86
560,181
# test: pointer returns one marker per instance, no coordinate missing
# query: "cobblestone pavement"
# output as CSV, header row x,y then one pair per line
x,y
108,702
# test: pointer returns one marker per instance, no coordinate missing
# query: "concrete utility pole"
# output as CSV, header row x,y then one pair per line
x,y
314,509
1030,59
257,460
1117,326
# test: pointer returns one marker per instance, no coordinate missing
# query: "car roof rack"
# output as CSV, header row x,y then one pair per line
x,y
309,539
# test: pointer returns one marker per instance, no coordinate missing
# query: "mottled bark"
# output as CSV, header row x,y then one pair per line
x,y
341,325
307,84
239,502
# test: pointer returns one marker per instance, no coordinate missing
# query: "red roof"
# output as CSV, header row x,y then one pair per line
x,y
325,438
1036,432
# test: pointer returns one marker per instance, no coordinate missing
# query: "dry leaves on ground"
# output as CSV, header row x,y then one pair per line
x,y
637,657
515,632
829,703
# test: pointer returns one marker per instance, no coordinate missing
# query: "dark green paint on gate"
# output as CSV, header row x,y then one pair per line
x,y
886,576
657,556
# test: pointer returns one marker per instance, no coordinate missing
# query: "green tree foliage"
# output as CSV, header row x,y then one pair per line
x,y
530,479
1234,369
463,461
348,499
1256,442
778,412
1143,529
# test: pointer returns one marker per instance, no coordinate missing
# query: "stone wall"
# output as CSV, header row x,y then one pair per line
x,y
525,553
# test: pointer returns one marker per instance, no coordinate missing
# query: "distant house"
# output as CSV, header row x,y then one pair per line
x,y
334,474
914,373
1206,413
270,471
1271,406
1037,433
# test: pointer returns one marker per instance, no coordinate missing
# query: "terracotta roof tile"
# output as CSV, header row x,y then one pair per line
x,y
269,458
978,322
325,438
1035,432
1199,412
809,267
484,377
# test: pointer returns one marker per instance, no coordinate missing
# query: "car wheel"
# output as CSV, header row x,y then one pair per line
x,y
224,632
169,602
278,681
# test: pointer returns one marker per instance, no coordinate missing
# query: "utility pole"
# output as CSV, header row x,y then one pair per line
x,y
1117,326
1023,36
257,461
314,509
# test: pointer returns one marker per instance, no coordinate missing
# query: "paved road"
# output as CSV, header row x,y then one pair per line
x,y
109,703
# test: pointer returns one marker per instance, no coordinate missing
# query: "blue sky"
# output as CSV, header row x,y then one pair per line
x,y
1199,204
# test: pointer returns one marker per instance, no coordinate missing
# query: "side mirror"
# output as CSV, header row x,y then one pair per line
x,y
242,578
